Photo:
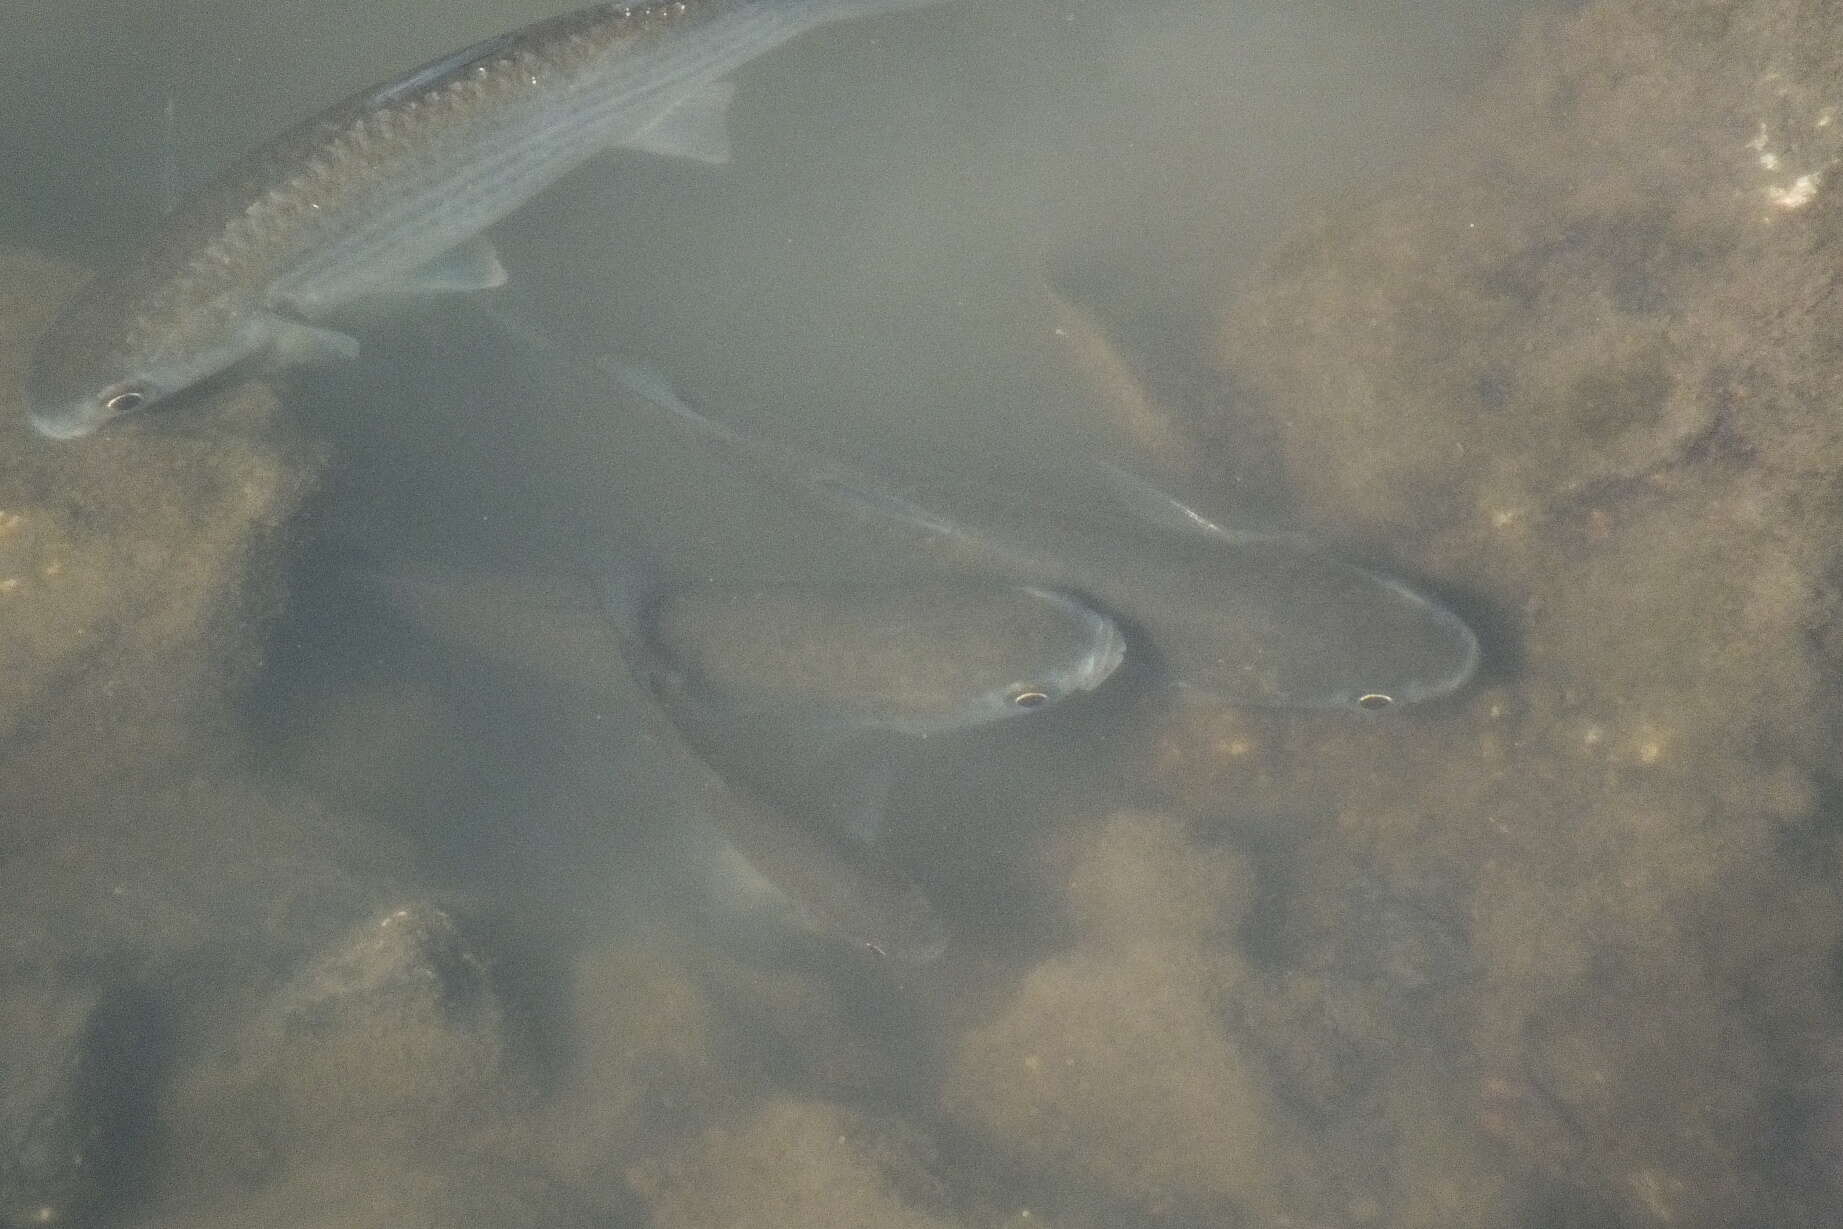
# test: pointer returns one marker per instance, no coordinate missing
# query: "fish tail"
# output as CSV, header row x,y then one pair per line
x,y
654,386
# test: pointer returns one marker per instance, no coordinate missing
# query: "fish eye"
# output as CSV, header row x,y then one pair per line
x,y
124,400
1030,699
1374,701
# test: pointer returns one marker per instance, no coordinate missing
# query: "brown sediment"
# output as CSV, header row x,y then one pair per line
x,y
1581,364
795,1162
1109,1071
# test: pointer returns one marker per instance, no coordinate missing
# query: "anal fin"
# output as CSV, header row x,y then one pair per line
x,y
295,341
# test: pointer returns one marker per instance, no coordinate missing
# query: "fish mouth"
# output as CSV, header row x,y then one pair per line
x,y
67,425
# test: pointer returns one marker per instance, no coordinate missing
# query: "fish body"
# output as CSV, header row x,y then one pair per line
x,y
1258,619
1255,618
789,752
388,193
803,697
915,658
838,886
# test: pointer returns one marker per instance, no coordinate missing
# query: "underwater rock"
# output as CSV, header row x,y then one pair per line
x,y
796,1163
1335,919
411,970
308,1027
1581,362
1109,1071
140,939
644,1066
1110,1080
200,888
1320,1041
392,1036
1141,879
77,1069
134,568
360,1193
1643,1082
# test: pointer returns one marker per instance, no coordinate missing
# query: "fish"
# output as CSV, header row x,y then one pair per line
x,y
387,194
917,658
1114,388
837,885
788,762
1259,617
773,796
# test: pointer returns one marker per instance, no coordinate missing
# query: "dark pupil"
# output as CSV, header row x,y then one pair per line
x,y
122,403
1374,700
1029,699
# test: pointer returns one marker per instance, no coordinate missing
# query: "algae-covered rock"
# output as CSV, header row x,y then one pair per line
x,y
643,1066
137,944
78,1061
136,568
204,882
1580,364
1111,1069
389,1041
363,1192
392,1028
796,1163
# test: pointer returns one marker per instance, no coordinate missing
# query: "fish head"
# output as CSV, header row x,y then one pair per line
x,y
1380,646
920,658
85,372
1288,627
66,400
1414,650
1091,650
102,358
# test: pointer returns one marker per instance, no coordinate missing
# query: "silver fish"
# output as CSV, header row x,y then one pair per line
x,y
899,658
783,817
839,886
915,658
388,193
1255,618
918,658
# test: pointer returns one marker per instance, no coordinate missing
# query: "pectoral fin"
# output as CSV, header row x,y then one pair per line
x,y
696,127
474,265
292,341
